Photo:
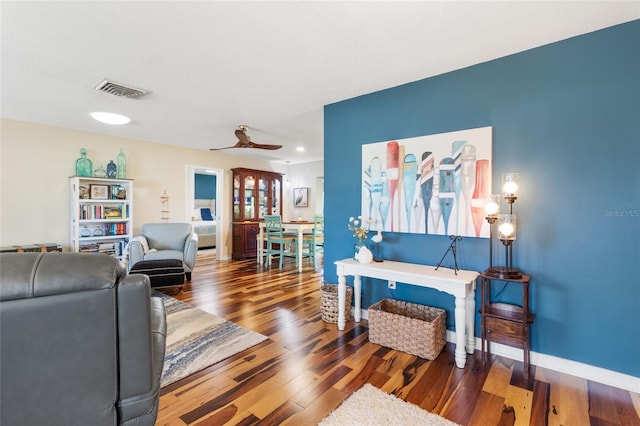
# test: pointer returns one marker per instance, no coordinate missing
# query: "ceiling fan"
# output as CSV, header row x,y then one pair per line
x,y
244,141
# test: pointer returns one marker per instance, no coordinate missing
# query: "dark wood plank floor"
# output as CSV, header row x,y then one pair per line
x,y
307,367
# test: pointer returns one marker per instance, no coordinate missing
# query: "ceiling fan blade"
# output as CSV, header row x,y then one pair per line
x,y
263,146
237,145
244,141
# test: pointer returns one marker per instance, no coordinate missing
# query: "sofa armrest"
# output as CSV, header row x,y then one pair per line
x,y
190,251
142,334
136,250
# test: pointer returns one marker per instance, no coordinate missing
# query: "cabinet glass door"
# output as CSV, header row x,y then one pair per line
x,y
262,197
249,197
275,196
236,197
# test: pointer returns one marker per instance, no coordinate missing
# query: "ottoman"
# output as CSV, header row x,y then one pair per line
x,y
161,272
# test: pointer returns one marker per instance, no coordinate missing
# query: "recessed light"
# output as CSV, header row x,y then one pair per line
x,y
300,149
110,118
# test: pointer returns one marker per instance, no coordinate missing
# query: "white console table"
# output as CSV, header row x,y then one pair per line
x,y
461,285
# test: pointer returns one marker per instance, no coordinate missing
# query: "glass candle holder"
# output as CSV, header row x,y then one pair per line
x,y
510,185
507,228
492,206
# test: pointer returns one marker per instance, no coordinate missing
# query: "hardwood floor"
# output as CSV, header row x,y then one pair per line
x,y
307,367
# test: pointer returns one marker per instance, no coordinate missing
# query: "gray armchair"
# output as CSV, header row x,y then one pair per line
x,y
165,241
81,342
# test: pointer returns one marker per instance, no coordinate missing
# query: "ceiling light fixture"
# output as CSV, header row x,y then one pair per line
x,y
300,149
110,118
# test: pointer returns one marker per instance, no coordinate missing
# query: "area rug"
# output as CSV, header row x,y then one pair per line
x,y
371,406
197,339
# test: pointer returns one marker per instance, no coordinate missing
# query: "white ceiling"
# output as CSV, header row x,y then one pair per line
x,y
214,65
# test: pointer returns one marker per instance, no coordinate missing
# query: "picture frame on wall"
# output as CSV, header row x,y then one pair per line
x,y
99,192
301,197
430,184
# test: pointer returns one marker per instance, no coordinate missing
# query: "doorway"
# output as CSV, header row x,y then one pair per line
x,y
218,203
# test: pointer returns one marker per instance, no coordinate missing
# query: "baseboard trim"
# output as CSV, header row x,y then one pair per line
x,y
561,365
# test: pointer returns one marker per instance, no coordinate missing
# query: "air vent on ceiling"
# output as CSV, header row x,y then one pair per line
x,y
119,89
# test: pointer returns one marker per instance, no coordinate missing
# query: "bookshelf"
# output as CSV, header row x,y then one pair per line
x,y
101,213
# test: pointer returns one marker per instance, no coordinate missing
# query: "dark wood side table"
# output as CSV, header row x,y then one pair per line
x,y
503,322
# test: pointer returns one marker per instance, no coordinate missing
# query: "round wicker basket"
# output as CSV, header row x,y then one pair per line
x,y
329,303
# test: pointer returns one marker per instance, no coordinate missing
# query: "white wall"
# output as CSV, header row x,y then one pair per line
x,y
36,162
301,176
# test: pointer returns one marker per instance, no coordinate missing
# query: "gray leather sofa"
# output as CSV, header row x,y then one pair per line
x,y
81,342
160,241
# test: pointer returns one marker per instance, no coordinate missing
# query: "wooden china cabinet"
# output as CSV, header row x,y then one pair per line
x,y
256,193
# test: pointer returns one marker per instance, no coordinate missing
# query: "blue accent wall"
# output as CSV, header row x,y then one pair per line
x,y
205,187
566,116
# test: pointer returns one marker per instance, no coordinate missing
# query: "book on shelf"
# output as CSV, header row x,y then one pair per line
x,y
118,229
112,248
99,211
88,248
112,212
107,248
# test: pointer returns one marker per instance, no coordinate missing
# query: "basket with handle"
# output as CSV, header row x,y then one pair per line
x,y
408,327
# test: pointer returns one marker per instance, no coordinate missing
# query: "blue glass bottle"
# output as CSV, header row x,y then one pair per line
x,y
111,169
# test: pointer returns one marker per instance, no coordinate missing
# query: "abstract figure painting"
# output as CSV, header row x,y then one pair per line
x,y
435,184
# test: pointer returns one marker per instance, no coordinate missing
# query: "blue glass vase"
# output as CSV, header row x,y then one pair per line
x,y
111,169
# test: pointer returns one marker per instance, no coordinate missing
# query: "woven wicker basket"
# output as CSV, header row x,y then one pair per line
x,y
408,327
329,303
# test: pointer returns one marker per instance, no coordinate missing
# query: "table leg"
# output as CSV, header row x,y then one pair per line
x,y
461,316
300,244
342,295
260,245
357,287
470,330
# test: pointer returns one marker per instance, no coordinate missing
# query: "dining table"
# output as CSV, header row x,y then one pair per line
x,y
298,226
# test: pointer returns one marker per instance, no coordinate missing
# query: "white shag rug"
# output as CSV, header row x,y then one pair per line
x,y
371,406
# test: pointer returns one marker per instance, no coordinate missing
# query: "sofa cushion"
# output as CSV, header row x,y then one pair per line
x,y
164,255
27,275
167,236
